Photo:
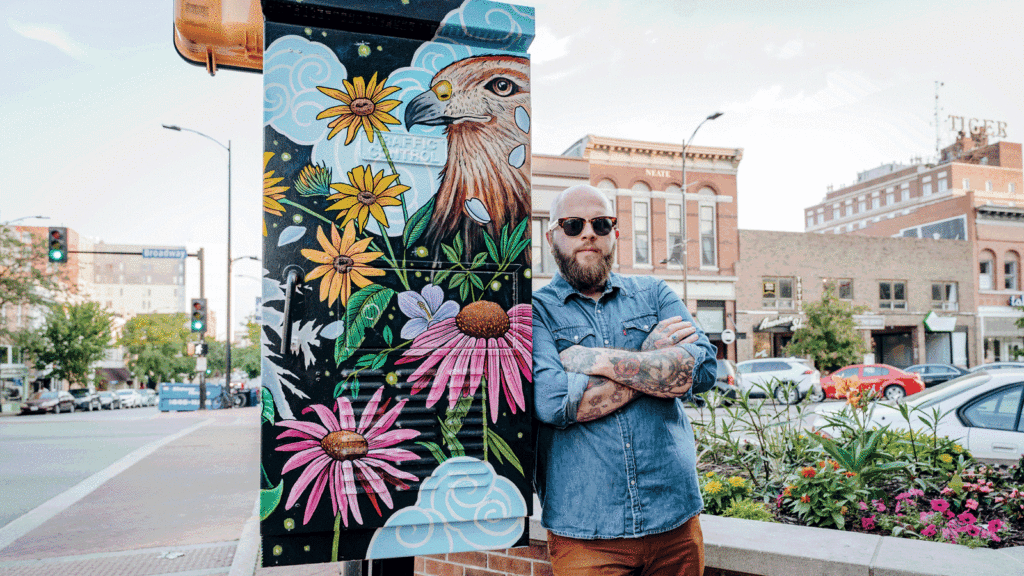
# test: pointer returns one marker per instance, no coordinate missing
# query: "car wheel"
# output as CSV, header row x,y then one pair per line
x,y
895,393
816,395
71,410
787,393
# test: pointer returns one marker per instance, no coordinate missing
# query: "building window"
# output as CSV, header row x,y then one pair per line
x,y
674,225
835,213
988,186
1011,188
985,265
641,233
876,202
904,194
810,220
926,190
543,260
777,292
708,243
1011,267
944,296
890,198
943,185
967,183
711,316
862,206
892,295
844,288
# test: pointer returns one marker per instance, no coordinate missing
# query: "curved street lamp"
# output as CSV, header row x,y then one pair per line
x,y
685,256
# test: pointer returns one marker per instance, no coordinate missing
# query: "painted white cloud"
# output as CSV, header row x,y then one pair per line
x,y
52,35
464,505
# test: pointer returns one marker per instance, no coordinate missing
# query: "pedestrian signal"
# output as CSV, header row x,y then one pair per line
x,y
57,250
198,321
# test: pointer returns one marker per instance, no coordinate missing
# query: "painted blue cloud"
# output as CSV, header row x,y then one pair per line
x,y
464,505
292,69
490,24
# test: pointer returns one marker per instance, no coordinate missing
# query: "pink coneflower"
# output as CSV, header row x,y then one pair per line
x,y
338,454
481,340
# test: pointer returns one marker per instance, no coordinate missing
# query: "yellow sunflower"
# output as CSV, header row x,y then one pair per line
x,y
343,263
271,193
367,195
363,105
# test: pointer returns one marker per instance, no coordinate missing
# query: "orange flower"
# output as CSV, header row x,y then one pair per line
x,y
343,263
362,106
850,474
805,498
271,193
843,510
808,472
788,490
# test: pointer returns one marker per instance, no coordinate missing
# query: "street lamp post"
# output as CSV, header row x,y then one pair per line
x,y
686,261
227,341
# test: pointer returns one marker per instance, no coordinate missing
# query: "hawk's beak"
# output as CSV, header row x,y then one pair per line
x,y
426,109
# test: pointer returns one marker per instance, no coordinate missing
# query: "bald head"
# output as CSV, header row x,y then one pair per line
x,y
576,196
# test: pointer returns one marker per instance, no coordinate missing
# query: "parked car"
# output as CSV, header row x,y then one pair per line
x,y
887,381
148,397
981,411
86,399
786,379
129,398
998,366
726,379
109,400
933,374
48,401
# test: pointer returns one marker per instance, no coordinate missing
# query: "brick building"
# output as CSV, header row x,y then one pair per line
x,y
894,279
643,180
975,194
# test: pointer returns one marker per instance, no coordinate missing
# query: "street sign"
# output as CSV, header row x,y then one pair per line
x,y
164,253
935,323
728,336
201,364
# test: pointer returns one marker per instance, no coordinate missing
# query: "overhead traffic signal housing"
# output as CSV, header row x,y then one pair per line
x,y
57,245
198,321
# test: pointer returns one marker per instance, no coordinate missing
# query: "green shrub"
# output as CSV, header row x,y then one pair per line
x,y
823,495
720,492
749,510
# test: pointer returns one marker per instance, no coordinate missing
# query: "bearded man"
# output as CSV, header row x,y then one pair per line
x,y
612,356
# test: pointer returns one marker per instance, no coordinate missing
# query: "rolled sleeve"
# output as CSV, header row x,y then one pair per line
x,y
705,366
556,393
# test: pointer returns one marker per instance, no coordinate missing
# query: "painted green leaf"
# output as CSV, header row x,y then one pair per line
x,y
457,280
450,253
435,450
504,239
365,308
491,248
476,281
457,244
518,249
353,390
478,260
417,223
387,335
440,276
379,361
269,499
501,448
267,400
464,291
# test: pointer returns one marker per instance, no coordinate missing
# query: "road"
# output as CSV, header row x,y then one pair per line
x,y
133,491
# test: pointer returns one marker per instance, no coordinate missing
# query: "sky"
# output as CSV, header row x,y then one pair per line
x,y
813,94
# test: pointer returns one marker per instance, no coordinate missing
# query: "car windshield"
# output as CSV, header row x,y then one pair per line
x,y
79,393
44,396
947,389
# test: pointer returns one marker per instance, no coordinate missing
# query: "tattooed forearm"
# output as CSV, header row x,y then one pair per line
x,y
579,359
665,373
602,397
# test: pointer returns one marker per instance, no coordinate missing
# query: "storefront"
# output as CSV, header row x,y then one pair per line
x,y
1002,339
773,334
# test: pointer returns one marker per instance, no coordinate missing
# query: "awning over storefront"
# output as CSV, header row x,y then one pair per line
x,y
935,323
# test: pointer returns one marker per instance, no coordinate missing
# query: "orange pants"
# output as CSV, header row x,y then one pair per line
x,y
678,552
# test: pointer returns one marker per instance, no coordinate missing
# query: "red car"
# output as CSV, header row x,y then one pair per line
x,y
887,381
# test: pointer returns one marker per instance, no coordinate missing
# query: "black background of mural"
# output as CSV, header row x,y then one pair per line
x,y
320,379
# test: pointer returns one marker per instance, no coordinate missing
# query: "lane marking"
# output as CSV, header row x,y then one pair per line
x,y
40,514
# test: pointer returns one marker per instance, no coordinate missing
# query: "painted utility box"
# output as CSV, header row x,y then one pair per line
x,y
396,293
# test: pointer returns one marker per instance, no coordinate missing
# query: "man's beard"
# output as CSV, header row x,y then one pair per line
x,y
584,278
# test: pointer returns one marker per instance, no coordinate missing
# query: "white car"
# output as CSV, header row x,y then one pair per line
x,y
786,379
129,398
981,411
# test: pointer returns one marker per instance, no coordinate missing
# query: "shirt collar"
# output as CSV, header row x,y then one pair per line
x,y
564,290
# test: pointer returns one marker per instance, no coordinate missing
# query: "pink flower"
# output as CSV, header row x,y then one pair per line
x,y
344,459
967,518
879,505
940,505
868,523
482,340
929,531
996,525
946,491
902,496
899,506
948,514
915,492
924,516
971,504
863,505
974,531
948,534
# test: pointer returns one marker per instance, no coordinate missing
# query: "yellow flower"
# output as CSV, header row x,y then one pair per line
x,y
343,263
713,487
958,448
736,482
709,474
367,195
363,105
945,458
271,193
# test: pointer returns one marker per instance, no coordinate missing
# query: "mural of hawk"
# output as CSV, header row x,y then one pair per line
x,y
484,104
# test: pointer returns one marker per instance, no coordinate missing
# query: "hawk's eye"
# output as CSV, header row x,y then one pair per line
x,y
502,87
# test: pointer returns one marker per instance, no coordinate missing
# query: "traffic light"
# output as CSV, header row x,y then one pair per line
x,y
198,321
57,250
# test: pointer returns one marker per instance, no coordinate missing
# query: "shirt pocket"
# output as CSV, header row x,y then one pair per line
x,y
578,334
637,328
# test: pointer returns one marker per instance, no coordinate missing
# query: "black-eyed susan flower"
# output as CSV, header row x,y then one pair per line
x,y
363,106
366,195
343,263
271,193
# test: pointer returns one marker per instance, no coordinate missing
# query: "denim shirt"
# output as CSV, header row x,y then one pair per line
x,y
631,472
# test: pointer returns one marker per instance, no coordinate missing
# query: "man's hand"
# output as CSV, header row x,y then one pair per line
x,y
670,332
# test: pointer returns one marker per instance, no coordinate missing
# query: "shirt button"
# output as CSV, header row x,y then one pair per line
x,y
607,342
627,444
645,327
633,482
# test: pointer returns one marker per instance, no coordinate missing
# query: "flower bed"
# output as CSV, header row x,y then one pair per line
x,y
763,465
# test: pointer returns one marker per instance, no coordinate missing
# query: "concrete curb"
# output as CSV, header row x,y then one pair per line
x,y
244,562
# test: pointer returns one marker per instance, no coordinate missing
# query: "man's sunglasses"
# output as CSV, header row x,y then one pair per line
x,y
602,225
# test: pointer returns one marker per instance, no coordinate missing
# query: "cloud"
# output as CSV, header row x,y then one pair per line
x,y
789,50
547,47
841,89
52,35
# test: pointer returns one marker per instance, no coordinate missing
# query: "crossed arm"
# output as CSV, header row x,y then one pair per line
x,y
661,369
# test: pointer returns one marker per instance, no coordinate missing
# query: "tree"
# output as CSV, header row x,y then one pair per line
x,y
829,336
75,336
157,344
24,277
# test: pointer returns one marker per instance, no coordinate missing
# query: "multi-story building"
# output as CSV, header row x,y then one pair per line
x,y
128,284
893,281
644,182
975,194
